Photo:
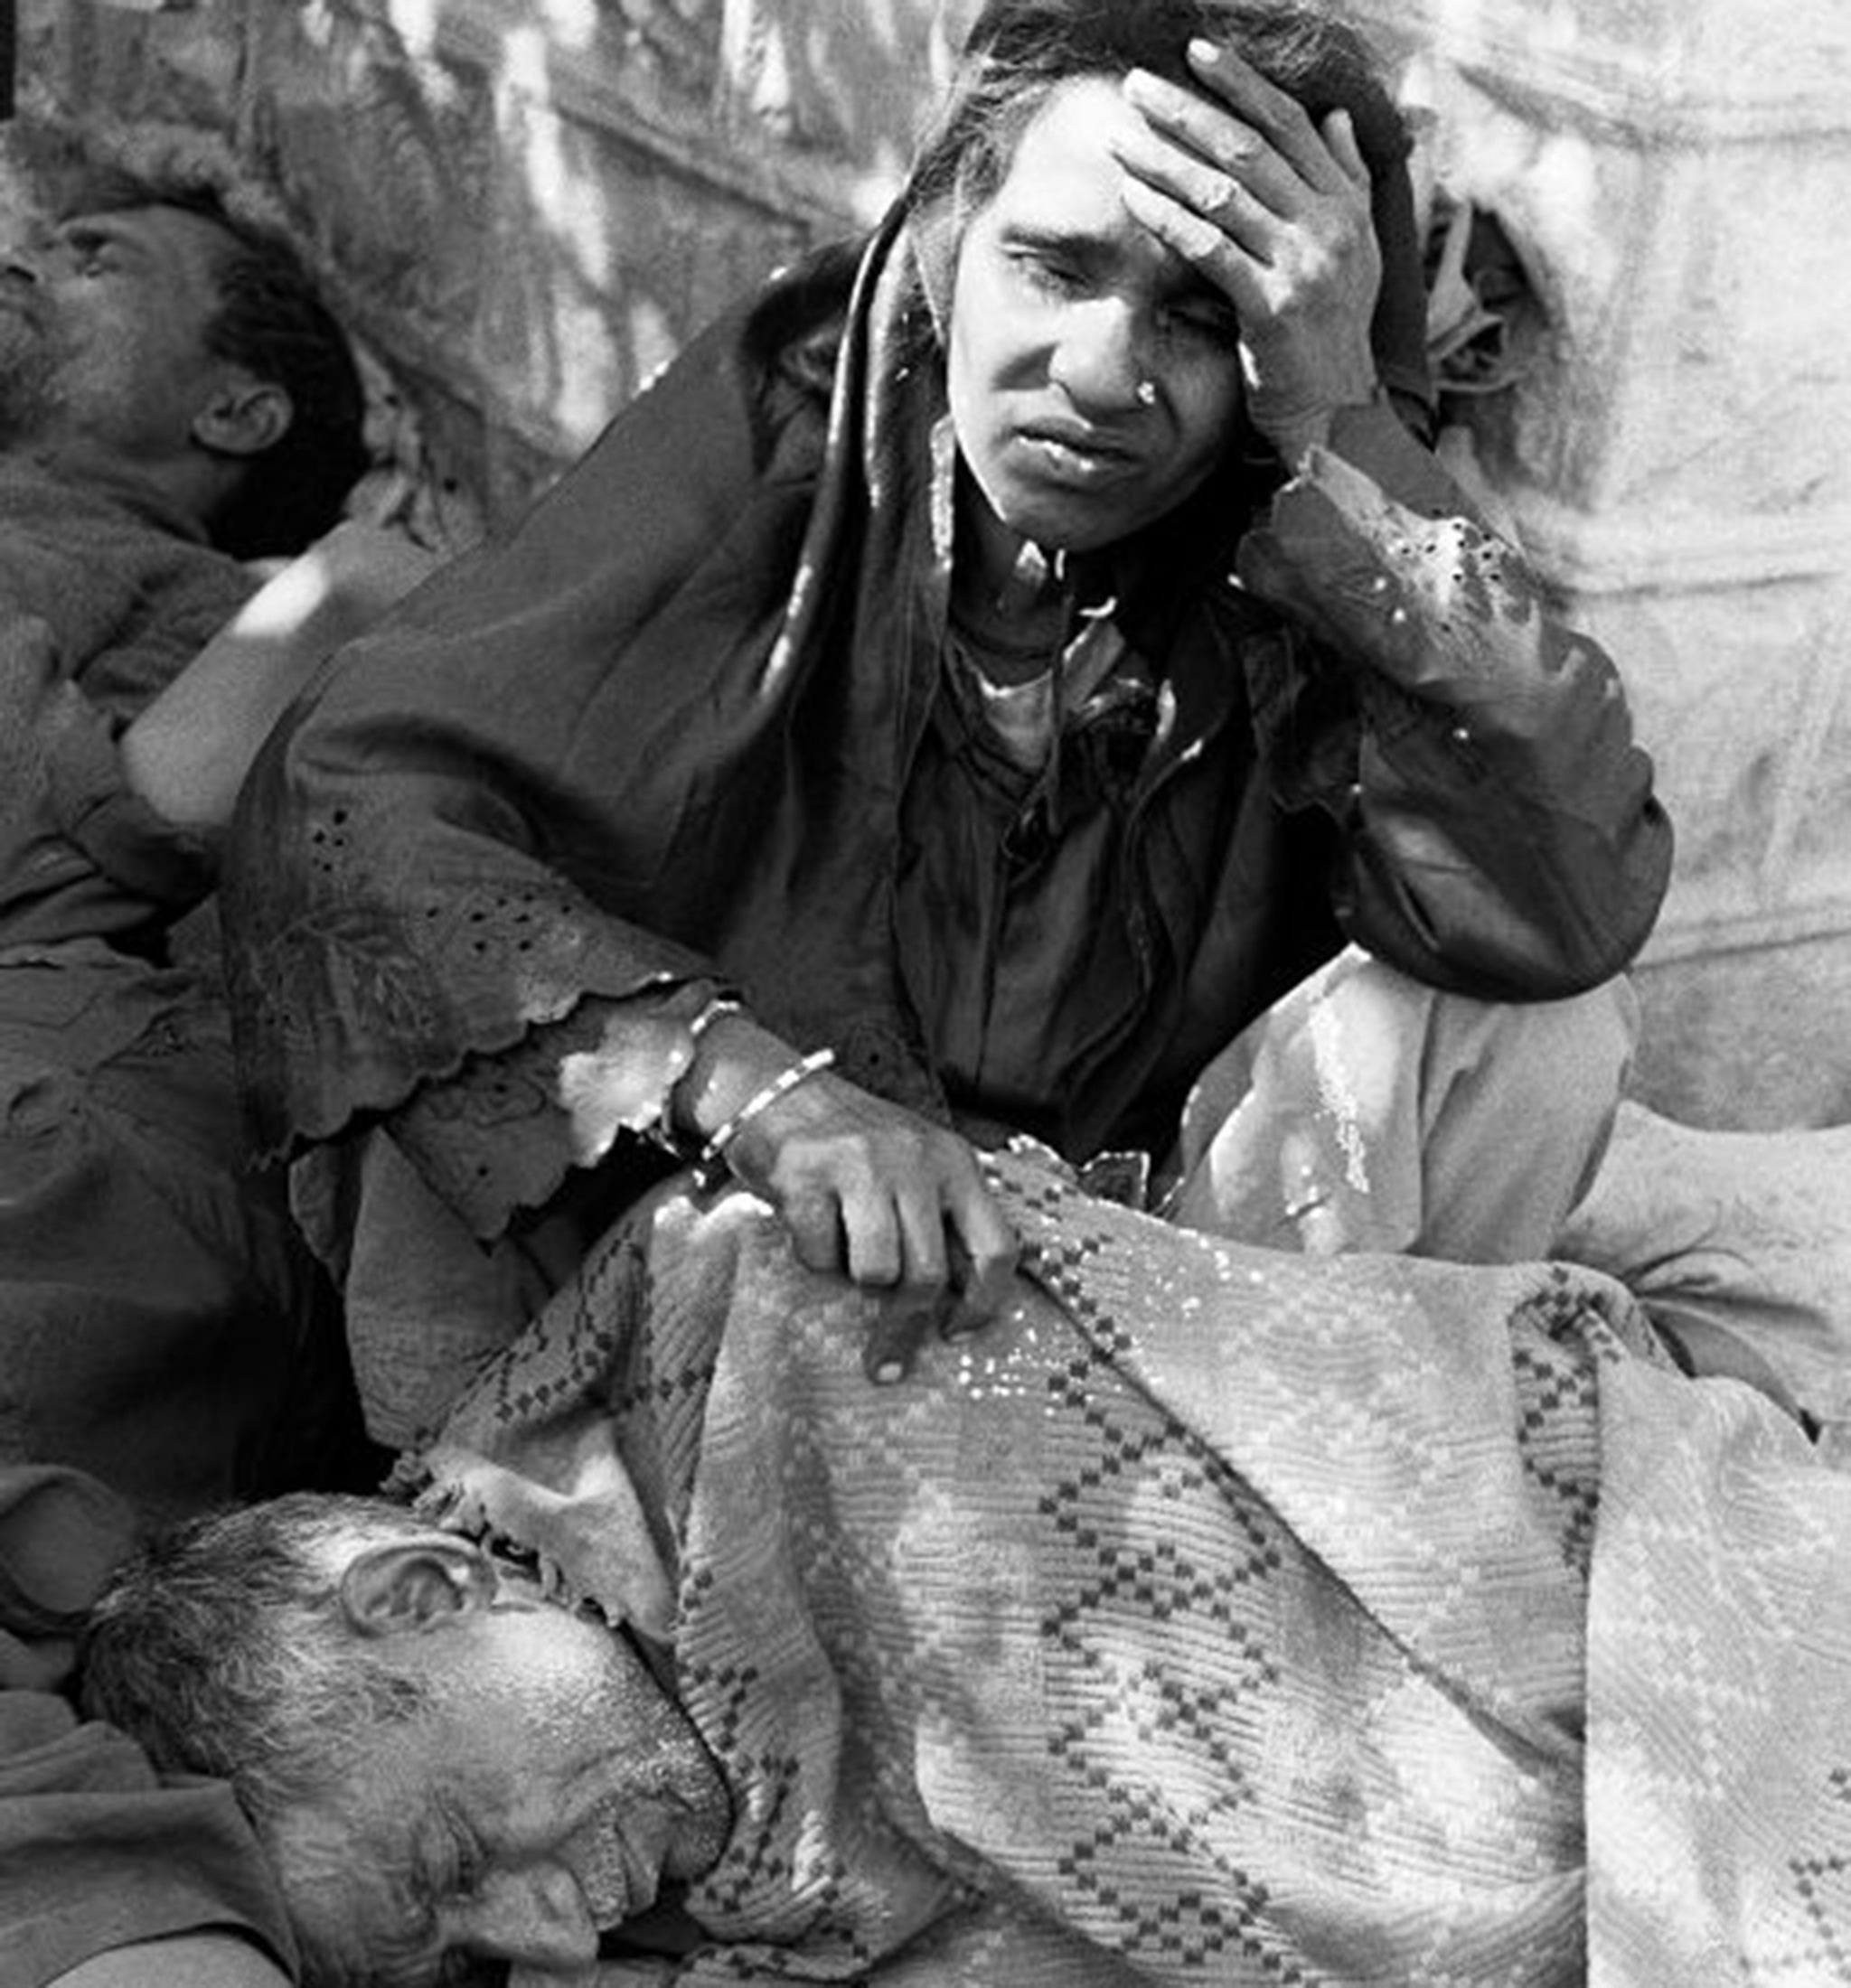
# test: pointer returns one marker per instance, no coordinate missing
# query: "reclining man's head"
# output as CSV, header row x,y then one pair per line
x,y
443,1764
154,341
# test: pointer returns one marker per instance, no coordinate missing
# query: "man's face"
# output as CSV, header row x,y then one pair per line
x,y
548,1794
1094,376
103,332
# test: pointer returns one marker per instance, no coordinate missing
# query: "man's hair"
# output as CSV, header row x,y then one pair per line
x,y
220,1647
270,319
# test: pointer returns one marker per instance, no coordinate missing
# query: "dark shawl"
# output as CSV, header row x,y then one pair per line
x,y
662,732
667,723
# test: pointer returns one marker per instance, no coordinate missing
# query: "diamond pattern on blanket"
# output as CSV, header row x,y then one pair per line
x,y
1018,1630
1558,1398
1214,1616
1161,1577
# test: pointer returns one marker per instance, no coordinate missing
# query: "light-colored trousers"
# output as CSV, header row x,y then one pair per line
x,y
1366,1112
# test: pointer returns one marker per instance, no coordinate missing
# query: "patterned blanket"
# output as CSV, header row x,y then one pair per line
x,y
1214,1616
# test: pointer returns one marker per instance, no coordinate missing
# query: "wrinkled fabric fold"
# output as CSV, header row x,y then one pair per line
x,y
1215,1614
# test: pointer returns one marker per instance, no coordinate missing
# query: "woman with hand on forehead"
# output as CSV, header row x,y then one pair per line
x,y
1021,674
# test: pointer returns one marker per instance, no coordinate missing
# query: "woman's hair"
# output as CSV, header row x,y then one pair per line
x,y
1019,50
269,318
222,1649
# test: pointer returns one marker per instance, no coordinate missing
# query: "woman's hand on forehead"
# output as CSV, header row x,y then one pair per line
x,y
1274,210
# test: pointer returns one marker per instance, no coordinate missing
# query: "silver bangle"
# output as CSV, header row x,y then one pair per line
x,y
721,1004
661,1131
712,1164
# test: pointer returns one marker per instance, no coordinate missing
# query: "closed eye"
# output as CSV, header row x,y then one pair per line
x,y
1049,274
1206,315
461,1970
92,253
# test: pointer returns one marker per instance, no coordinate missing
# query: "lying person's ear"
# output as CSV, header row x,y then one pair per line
x,y
244,416
414,1585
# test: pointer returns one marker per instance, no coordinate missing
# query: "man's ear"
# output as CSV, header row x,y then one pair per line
x,y
245,417
410,1586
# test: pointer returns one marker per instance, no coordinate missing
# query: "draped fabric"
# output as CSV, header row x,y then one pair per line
x,y
97,1849
125,592
669,728
160,1323
1215,1615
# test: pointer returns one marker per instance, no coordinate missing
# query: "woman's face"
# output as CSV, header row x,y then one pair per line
x,y
1093,375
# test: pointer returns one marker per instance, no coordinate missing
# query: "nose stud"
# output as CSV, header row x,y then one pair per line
x,y
1147,393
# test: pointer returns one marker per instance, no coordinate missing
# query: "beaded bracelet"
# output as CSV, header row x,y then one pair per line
x,y
712,1164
